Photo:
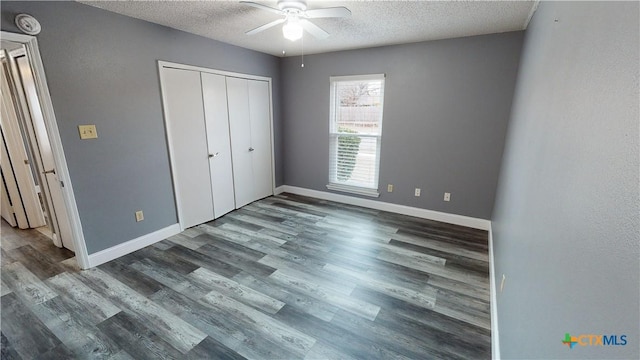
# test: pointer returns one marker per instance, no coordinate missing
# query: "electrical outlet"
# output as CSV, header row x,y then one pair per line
x,y
504,278
139,216
417,192
447,196
390,188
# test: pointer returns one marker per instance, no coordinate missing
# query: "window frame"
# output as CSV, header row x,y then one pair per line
x,y
334,134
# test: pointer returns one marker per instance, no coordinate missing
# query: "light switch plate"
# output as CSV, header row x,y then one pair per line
x,y
139,215
87,132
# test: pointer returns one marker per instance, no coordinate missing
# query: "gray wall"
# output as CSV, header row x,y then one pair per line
x,y
566,227
102,69
446,110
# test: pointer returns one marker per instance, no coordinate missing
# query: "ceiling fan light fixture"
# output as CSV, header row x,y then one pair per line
x,y
292,29
295,17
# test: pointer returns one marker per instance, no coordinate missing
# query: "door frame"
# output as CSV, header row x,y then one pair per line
x,y
171,65
33,55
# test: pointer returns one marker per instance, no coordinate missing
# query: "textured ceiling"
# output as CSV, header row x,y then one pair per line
x,y
373,23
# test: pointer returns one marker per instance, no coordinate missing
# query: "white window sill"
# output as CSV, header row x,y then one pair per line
x,y
354,190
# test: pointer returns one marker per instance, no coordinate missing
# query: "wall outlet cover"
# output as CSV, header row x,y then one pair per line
x,y
87,132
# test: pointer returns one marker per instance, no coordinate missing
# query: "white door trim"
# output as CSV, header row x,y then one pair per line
x,y
168,64
171,65
33,54
273,147
495,333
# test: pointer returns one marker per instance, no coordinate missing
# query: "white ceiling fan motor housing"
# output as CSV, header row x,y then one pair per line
x,y
292,6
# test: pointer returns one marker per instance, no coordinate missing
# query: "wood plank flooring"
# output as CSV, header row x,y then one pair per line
x,y
286,277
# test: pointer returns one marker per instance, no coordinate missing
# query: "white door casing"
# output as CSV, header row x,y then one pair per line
x,y
49,118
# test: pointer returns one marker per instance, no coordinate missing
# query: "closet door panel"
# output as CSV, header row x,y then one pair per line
x,y
260,110
186,132
214,94
240,130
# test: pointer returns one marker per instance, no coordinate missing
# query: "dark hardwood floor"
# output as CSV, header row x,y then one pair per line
x,y
286,277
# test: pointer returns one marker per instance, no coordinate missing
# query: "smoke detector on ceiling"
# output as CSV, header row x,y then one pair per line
x,y
28,24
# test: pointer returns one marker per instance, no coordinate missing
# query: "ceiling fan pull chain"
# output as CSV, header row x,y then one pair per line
x,y
302,51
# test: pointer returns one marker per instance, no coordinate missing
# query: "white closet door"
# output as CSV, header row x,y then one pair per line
x,y
214,94
240,126
260,110
182,93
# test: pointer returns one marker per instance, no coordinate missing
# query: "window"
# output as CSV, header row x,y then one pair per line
x,y
355,132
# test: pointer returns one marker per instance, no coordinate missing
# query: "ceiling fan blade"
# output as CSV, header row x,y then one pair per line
x,y
313,29
328,12
265,27
263,7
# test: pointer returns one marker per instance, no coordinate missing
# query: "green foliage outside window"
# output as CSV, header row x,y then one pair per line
x,y
348,147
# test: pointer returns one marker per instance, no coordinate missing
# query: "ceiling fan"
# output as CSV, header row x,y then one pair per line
x,y
295,15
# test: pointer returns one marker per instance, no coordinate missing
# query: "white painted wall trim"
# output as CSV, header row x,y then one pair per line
x,y
130,246
495,335
471,222
31,44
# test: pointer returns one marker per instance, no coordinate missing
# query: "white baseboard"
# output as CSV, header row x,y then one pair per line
x,y
130,246
471,222
279,190
495,335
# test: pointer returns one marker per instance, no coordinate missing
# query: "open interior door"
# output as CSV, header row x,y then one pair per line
x,y
29,112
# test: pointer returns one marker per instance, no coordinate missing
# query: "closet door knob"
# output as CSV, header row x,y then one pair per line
x,y
214,155
251,149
